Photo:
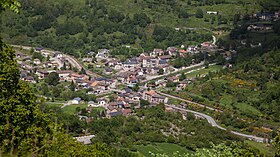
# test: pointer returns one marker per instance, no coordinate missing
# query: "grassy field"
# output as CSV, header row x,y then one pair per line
x,y
72,108
163,148
204,71
268,151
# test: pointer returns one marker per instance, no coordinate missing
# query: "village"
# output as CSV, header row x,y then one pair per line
x,y
129,81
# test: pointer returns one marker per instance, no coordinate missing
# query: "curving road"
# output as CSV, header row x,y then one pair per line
x,y
72,60
214,124
188,101
174,72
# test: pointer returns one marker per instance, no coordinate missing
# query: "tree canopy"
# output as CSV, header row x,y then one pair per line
x,y
24,129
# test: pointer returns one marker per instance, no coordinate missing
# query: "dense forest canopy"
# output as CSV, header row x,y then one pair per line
x,y
75,27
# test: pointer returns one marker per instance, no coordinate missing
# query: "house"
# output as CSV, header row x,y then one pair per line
x,y
23,74
192,49
37,61
108,71
29,79
260,27
58,55
26,59
264,16
48,64
101,102
103,54
152,71
181,85
173,79
45,54
91,53
114,114
94,84
63,75
165,57
87,60
126,112
112,63
157,52
76,100
277,14
93,104
153,97
75,76
182,52
131,80
163,63
38,49
42,74
207,45
130,65
20,55
212,12
172,51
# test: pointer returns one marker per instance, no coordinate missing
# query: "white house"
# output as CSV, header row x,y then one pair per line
x,y
103,54
37,61
64,74
45,54
58,55
76,100
212,12
101,102
42,74
93,104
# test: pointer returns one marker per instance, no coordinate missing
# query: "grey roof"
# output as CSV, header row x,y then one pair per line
x,y
78,99
114,114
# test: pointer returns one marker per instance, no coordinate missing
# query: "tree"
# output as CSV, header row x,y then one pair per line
x,y
276,143
144,103
72,86
183,13
182,76
63,67
135,88
199,13
161,71
38,56
21,121
10,4
52,79
24,129
83,71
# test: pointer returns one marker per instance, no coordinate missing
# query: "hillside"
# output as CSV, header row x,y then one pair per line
x,y
248,90
76,27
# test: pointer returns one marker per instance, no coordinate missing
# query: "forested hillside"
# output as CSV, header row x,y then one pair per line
x,y
75,27
249,90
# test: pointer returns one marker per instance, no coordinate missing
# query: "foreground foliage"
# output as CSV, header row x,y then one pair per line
x,y
24,129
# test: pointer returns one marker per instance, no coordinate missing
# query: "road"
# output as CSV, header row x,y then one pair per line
x,y
214,40
213,123
170,73
188,101
72,60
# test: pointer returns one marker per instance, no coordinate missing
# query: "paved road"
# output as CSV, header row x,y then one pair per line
x,y
170,73
214,124
188,101
72,60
